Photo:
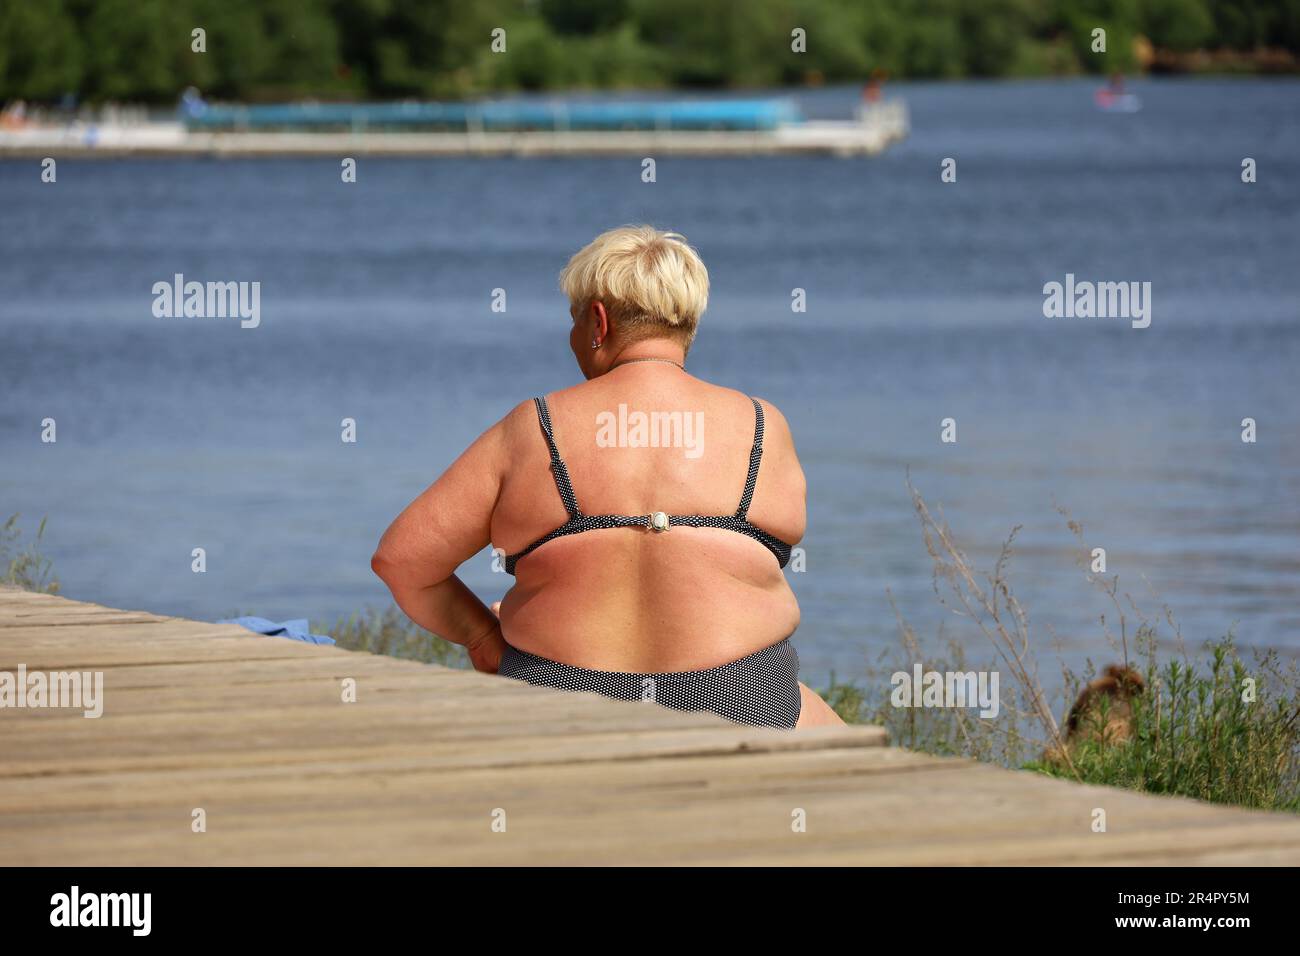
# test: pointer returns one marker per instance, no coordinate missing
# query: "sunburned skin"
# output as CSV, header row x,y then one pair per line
x,y
628,599
685,599
633,600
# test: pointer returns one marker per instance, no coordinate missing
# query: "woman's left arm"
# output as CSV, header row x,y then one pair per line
x,y
445,526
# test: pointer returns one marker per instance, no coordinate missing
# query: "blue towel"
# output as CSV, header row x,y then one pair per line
x,y
294,630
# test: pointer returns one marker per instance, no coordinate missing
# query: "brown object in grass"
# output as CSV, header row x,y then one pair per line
x,y
1103,711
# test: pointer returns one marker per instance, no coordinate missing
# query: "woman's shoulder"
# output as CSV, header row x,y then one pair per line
x,y
520,420
515,426
775,427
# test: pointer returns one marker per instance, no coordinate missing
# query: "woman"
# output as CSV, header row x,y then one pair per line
x,y
647,559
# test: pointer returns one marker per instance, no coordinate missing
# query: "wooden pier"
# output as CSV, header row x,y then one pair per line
x,y
435,766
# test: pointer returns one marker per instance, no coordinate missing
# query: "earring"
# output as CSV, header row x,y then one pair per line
x,y
595,344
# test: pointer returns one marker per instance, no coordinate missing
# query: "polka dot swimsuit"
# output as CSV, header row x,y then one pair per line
x,y
761,689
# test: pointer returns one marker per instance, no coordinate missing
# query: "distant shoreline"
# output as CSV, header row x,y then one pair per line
x,y
1265,61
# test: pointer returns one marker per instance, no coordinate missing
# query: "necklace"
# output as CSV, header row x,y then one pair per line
x,y
630,361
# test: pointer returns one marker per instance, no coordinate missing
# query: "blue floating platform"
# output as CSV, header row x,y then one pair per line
x,y
500,116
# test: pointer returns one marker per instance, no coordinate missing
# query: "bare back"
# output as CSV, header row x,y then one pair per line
x,y
628,599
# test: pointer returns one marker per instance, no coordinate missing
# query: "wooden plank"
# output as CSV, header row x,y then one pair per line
x,y
442,729
16,603
191,678
585,815
204,646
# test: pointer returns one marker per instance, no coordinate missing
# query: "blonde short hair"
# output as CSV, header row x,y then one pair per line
x,y
651,283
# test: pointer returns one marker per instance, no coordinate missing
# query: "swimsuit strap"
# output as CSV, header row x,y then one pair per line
x,y
755,458
558,468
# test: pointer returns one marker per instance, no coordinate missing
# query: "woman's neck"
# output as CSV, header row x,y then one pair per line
x,y
648,353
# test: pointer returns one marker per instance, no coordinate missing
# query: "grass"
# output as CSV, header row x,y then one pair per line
x,y
24,566
1212,726
1221,731
391,632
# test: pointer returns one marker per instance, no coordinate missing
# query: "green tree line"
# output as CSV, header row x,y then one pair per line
x,y
258,50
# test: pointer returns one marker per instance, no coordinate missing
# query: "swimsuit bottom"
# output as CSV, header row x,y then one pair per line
x,y
761,689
